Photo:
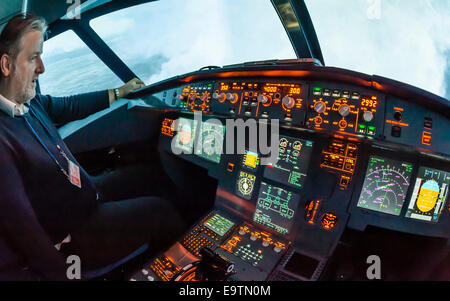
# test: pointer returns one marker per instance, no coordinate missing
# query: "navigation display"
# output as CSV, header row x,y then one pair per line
x,y
219,224
385,185
429,195
276,208
293,161
185,128
210,141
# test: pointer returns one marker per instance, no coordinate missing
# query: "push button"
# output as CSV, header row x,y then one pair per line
x,y
396,131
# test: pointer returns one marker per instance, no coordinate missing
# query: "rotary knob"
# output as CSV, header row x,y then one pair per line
x,y
263,99
368,116
344,110
320,107
219,96
288,102
192,97
232,97
204,97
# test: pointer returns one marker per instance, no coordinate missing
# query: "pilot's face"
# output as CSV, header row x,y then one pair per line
x,y
27,67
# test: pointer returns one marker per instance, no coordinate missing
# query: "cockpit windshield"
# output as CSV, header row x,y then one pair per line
x,y
161,39
407,41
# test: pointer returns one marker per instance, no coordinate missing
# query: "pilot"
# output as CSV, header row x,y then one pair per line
x,y
49,206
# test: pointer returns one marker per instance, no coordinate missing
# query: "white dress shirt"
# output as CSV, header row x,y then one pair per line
x,y
11,108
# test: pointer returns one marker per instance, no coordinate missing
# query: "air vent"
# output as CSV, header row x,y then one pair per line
x,y
428,123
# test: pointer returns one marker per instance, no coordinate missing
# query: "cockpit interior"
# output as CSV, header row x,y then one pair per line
x,y
285,169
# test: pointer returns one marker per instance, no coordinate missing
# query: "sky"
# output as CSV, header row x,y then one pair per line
x,y
404,40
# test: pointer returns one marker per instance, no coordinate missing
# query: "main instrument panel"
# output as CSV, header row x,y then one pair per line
x,y
347,156
341,109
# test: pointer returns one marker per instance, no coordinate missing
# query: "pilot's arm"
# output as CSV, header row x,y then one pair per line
x,y
20,227
70,108
131,85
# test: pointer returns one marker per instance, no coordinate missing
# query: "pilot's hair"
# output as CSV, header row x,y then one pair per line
x,y
18,26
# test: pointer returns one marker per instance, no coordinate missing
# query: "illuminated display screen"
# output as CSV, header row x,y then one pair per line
x,y
293,162
250,160
282,88
270,89
210,141
370,102
276,208
295,90
219,224
385,185
185,137
429,195
245,185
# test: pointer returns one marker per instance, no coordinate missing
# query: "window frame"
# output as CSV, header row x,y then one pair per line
x,y
92,40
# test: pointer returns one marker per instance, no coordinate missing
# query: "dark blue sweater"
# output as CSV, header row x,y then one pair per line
x,y
38,204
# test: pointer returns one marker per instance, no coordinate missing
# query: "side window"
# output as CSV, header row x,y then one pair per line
x,y
72,68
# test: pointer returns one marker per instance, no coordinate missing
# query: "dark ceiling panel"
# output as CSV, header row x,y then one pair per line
x,y
9,9
51,10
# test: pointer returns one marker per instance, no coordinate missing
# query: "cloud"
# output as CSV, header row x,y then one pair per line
x,y
192,35
407,42
112,27
404,40
63,43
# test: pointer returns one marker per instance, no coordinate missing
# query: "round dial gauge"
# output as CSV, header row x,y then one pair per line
x,y
385,187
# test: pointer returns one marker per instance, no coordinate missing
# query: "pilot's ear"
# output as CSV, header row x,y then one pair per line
x,y
6,64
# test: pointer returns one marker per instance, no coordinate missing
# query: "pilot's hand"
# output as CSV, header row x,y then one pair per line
x,y
130,86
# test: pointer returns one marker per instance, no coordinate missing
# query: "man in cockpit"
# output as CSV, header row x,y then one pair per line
x,y
46,198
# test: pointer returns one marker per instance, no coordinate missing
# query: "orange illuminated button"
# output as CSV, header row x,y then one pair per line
x,y
329,221
318,120
342,124
426,138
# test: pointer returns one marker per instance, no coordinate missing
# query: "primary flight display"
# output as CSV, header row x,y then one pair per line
x,y
385,185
